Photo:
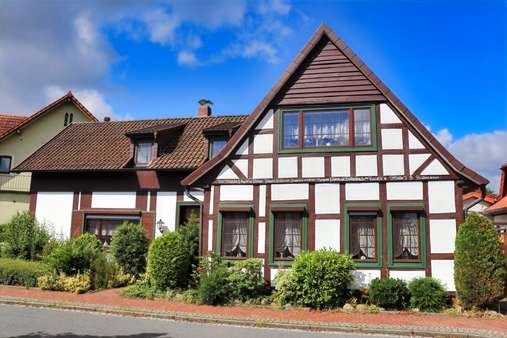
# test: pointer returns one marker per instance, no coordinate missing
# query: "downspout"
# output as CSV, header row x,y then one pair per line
x,y
201,217
483,194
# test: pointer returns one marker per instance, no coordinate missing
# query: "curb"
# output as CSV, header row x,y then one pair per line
x,y
450,332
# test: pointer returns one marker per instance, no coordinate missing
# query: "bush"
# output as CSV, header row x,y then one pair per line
x,y
318,279
3,233
427,294
169,261
21,272
214,287
79,283
246,279
389,293
141,289
130,247
190,234
479,263
75,255
283,291
25,237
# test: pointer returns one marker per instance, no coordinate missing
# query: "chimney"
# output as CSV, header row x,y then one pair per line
x,y
107,119
204,108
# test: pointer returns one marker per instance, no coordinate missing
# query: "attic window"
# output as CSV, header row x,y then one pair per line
x,y
143,153
5,164
215,145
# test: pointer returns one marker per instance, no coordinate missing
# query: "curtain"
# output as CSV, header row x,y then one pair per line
x,y
363,240
362,126
407,241
326,128
289,235
235,235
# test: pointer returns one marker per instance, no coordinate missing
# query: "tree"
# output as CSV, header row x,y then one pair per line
x,y
130,248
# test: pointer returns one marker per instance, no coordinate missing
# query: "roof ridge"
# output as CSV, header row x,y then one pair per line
x,y
164,119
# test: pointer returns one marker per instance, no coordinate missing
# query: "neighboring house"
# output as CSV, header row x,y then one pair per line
x,y
20,136
475,201
329,158
498,211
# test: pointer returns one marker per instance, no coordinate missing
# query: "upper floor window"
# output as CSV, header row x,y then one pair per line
x,y
143,152
5,164
68,119
326,128
215,145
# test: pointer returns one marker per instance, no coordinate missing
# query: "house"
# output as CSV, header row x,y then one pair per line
x,y
20,136
498,210
330,158
476,201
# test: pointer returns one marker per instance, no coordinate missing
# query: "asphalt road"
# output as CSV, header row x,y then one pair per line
x,y
25,322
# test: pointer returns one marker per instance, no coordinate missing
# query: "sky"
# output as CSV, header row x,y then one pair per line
x,y
445,59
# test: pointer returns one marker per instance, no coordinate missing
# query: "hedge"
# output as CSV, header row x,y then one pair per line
x,y
21,272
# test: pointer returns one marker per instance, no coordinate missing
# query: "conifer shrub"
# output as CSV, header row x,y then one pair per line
x,y
389,293
129,247
428,294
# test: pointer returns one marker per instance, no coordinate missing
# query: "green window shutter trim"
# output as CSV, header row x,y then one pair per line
x,y
251,230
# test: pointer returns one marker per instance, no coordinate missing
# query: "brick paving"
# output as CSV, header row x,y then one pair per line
x,y
113,298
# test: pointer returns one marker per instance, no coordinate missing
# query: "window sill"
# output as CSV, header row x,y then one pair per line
x,y
413,264
368,264
327,149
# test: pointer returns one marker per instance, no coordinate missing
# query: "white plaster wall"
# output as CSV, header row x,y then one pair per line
x,y
242,165
340,166
273,273
227,174
441,196
413,142
262,200
479,207
387,115
392,139
261,239
435,168
117,200
415,161
444,271
366,165
166,210
362,278
263,168
281,192
199,194
313,166
327,234
211,199
54,210
267,121
287,167
407,275
210,235
404,190
442,235
236,193
393,165
243,149
362,191
263,144
327,198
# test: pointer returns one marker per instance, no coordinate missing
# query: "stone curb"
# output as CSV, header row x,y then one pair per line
x,y
426,331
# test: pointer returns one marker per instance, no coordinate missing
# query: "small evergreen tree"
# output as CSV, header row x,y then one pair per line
x,y
130,248
479,263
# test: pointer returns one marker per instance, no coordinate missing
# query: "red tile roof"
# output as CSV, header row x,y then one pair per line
x,y
489,198
9,122
499,207
106,145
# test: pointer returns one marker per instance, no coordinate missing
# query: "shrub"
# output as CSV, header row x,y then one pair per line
x,y
389,293
246,279
319,279
168,261
21,272
190,234
79,283
26,238
214,287
479,263
130,247
427,294
283,291
141,289
3,233
75,255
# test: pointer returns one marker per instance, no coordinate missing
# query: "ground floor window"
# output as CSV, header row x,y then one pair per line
x,y
235,234
103,226
288,228
188,212
363,239
406,236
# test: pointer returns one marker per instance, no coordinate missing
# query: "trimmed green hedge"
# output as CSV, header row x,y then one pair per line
x,y
21,272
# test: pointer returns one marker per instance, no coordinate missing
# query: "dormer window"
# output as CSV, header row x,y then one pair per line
x,y
215,145
143,153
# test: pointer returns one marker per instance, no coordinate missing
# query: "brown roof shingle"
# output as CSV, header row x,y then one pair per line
x,y
9,122
105,145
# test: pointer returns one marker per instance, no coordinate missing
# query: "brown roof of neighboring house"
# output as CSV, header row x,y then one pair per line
x,y
292,74
8,122
29,119
488,198
106,145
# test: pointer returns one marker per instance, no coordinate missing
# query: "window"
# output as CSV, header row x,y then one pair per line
x,y
5,164
216,145
288,235
406,236
66,119
71,117
143,152
326,128
363,237
188,212
104,226
235,234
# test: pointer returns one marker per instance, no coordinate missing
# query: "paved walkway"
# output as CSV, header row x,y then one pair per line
x,y
111,301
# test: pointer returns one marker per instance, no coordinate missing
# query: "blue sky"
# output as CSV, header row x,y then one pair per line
x,y
446,60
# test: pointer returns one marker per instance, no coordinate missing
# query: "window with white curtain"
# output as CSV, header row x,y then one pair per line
x,y
235,234
288,235
362,127
406,236
363,246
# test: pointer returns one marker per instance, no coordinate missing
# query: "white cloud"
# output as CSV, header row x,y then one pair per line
x,y
186,57
160,25
444,136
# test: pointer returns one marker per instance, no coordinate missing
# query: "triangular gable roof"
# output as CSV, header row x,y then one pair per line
x,y
67,97
324,31
8,122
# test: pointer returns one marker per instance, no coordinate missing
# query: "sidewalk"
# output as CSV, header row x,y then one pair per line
x,y
110,301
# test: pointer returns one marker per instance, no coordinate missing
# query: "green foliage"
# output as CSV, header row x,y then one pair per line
x,y
389,293
49,247
318,279
190,234
141,289
75,255
79,283
427,294
130,247
246,279
284,293
25,237
214,287
479,263
21,272
169,261
191,296
3,233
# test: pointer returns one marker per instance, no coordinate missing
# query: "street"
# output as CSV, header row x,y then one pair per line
x,y
24,322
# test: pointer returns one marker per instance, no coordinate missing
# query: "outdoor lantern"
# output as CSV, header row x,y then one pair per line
x,y
161,226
